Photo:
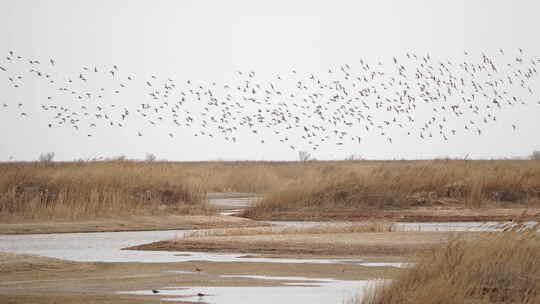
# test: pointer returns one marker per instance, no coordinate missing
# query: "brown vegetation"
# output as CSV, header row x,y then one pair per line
x,y
362,188
45,190
499,267
73,190
306,189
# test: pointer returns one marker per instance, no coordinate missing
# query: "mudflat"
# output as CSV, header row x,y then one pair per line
x,y
347,244
33,279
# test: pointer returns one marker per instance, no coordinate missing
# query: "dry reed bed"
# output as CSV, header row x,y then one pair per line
x,y
500,267
79,189
73,190
396,185
34,190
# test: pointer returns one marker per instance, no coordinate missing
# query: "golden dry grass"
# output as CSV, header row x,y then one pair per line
x,y
316,229
394,185
89,189
73,190
31,191
500,267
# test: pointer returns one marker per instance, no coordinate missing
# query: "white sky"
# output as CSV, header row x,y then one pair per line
x,y
207,41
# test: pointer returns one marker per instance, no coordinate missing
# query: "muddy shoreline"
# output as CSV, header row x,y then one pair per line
x,y
27,278
344,244
133,223
178,222
23,277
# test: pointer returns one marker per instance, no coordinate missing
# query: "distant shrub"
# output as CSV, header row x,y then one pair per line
x,y
354,157
46,157
150,157
304,156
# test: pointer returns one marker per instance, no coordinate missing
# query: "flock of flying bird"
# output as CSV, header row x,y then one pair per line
x,y
410,95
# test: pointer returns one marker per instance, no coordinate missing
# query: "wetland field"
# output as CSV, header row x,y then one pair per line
x,y
430,231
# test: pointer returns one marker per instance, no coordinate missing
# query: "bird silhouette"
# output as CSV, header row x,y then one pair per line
x,y
294,109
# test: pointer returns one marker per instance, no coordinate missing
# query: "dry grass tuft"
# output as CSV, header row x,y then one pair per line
x,y
367,186
500,267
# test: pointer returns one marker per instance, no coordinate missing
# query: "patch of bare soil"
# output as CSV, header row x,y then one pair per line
x,y
34,279
345,244
420,214
130,223
73,298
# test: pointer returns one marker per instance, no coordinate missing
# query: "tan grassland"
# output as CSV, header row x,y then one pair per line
x,y
293,190
30,191
442,190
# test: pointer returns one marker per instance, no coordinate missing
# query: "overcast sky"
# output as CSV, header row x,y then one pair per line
x,y
208,41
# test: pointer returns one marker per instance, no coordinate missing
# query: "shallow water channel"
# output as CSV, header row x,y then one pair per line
x,y
293,290
106,247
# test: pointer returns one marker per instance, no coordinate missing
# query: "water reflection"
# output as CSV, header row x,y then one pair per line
x,y
293,290
106,246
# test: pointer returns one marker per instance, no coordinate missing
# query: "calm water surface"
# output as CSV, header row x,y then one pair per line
x,y
106,247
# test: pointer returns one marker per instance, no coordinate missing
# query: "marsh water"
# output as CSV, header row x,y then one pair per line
x,y
293,290
107,247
